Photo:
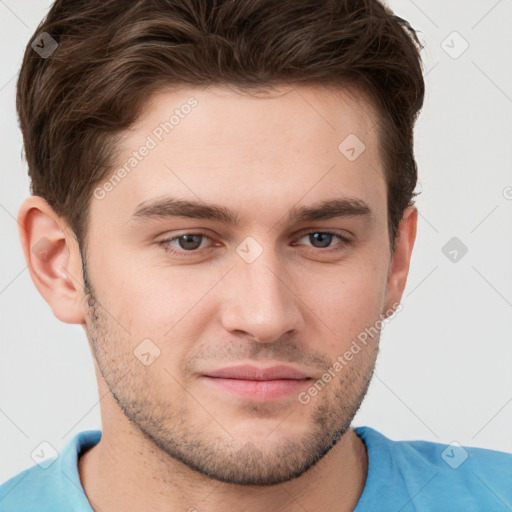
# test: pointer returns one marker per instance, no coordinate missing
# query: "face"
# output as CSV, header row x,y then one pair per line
x,y
212,323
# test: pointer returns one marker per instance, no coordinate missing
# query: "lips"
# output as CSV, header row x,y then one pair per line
x,y
254,373
257,384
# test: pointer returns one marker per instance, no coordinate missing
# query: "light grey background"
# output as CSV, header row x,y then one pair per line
x,y
444,372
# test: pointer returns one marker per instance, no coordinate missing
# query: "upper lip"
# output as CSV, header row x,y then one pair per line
x,y
247,372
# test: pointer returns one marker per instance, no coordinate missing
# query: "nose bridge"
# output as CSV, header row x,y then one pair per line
x,y
261,302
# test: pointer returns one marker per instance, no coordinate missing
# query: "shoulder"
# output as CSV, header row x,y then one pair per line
x,y
53,485
437,476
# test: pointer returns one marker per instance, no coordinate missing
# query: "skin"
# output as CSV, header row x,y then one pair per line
x,y
172,441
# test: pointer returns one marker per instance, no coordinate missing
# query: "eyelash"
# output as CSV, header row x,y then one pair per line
x,y
165,243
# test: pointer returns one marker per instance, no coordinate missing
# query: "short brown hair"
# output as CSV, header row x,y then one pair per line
x,y
112,55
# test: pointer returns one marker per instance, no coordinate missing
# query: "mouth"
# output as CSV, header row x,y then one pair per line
x,y
258,384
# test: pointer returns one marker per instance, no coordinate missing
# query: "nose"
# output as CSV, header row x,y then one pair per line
x,y
260,301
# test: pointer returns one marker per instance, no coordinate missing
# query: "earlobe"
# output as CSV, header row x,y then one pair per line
x,y
53,259
400,262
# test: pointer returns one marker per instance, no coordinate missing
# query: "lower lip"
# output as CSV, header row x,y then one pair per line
x,y
259,390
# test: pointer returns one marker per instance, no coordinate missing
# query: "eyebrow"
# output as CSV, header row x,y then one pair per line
x,y
167,207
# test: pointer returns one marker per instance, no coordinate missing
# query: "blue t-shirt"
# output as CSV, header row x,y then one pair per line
x,y
402,476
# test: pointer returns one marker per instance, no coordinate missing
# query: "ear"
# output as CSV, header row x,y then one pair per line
x,y
53,259
399,266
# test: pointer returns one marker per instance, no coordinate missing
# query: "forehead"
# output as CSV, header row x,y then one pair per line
x,y
260,150
229,116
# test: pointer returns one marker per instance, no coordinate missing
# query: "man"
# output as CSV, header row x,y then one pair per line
x,y
223,199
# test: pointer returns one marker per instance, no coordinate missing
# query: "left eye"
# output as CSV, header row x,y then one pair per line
x,y
323,238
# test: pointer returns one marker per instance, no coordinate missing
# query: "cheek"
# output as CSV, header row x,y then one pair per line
x,y
165,305
346,299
